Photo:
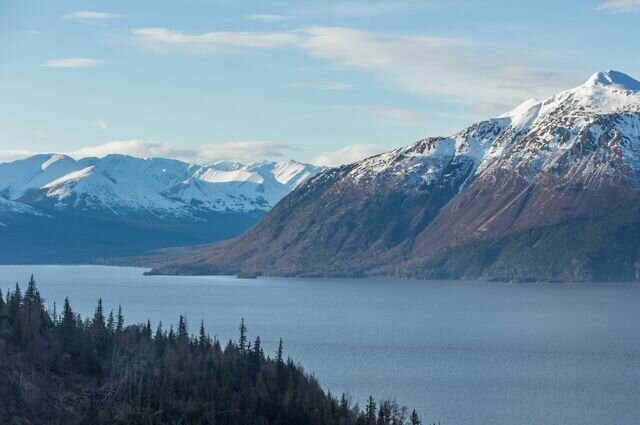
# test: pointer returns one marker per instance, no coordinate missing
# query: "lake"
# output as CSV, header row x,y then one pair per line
x,y
458,352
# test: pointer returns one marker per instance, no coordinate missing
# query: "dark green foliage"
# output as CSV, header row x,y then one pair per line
x,y
74,371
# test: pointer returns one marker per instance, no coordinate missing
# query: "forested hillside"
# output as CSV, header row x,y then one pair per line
x,y
65,369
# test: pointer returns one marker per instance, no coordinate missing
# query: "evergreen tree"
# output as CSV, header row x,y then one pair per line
x,y
32,296
243,345
183,333
111,323
414,418
370,411
67,326
203,338
55,314
158,336
279,353
172,335
133,379
98,316
148,333
344,403
16,300
120,323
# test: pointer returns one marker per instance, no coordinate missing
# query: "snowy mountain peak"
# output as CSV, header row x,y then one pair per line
x,y
521,109
615,79
123,185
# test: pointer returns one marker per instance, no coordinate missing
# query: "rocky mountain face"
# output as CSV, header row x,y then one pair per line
x,y
548,191
54,208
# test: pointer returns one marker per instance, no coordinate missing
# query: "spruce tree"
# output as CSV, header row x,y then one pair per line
x,y
414,418
32,296
120,323
243,345
279,353
148,333
370,411
67,326
111,323
203,339
183,333
98,316
158,335
55,314
16,299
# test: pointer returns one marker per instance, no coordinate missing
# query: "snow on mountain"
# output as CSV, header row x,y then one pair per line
x,y
123,185
534,136
542,174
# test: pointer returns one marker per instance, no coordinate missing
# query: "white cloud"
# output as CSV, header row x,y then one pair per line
x,y
7,155
101,125
324,86
620,6
244,151
367,9
40,134
453,69
91,17
389,114
33,32
72,63
450,68
167,37
267,17
346,155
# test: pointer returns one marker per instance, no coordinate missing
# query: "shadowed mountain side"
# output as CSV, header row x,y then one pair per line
x,y
565,166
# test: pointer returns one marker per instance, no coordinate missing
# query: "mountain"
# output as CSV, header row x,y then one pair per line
x,y
547,191
54,208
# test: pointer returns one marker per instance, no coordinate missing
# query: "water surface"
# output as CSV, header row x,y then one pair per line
x,y
458,352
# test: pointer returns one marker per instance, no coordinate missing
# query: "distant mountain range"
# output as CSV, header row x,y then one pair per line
x,y
55,209
548,191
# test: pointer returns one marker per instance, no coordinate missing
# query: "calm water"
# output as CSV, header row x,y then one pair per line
x,y
459,352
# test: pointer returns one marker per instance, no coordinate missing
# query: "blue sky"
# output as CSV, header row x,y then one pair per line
x,y
320,81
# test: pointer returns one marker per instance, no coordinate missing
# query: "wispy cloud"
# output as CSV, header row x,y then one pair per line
x,y
620,6
7,155
367,8
391,115
346,155
450,68
100,125
267,17
33,32
455,69
167,37
91,17
324,85
72,63
244,151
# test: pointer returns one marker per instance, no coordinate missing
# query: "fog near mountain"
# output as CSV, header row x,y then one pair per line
x,y
546,191
54,208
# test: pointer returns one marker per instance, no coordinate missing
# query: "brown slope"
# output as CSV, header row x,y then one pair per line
x,y
335,224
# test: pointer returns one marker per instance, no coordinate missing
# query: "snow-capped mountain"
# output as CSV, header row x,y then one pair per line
x,y
193,203
121,185
509,197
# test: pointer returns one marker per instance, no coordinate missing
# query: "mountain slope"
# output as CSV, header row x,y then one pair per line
x,y
54,208
570,162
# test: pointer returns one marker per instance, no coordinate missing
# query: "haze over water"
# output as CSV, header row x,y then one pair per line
x,y
458,352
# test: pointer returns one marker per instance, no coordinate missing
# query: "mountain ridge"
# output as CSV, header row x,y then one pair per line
x,y
54,208
573,156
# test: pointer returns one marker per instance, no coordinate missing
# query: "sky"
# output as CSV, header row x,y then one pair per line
x,y
326,82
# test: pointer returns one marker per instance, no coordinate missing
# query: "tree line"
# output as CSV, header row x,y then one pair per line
x,y
60,368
